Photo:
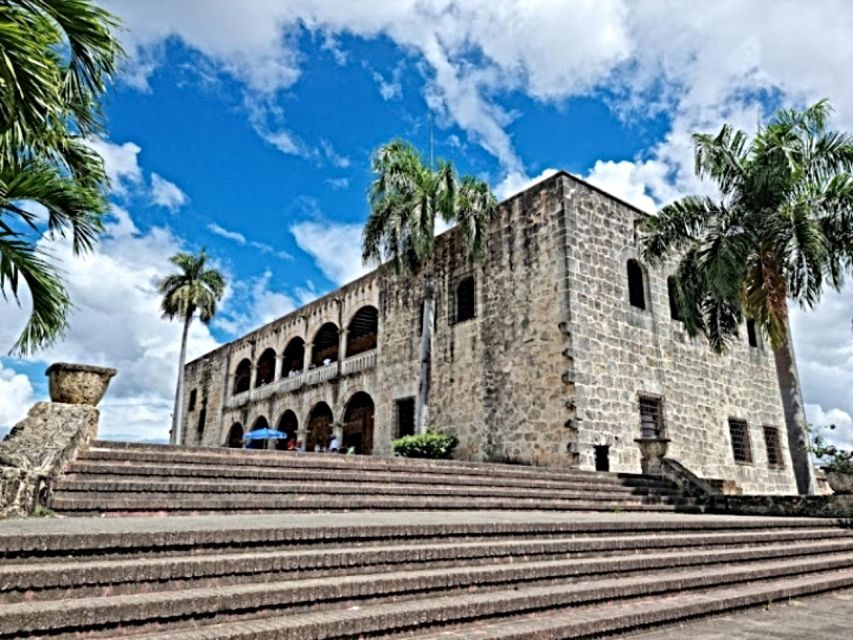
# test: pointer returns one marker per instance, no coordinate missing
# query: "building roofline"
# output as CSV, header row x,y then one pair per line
x,y
536,186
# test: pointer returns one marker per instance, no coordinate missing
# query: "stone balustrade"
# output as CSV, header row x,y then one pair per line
x,y
321,374
360,362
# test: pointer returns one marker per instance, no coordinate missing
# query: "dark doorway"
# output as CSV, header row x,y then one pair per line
x,y
319,427
235,436
294,358
405,417
602,457
266,368
358,424
287,424
260,423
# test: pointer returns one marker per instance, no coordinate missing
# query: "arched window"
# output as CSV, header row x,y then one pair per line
x,y
358,424
362,331
235,436
294,358
751,333
266,368
636,285
672,289
326,344
242,376
466,300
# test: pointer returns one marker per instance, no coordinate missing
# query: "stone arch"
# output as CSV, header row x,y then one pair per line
x,y
260,422
358,423
234,440
319,426
636,284
293,357
287,423
242,376
265,368
326,345
362,330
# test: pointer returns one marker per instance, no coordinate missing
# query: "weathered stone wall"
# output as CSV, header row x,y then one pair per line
x,y
621,351
551,365
37,449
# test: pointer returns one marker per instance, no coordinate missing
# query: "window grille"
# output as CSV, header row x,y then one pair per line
x,y
651,417
741,446
774,447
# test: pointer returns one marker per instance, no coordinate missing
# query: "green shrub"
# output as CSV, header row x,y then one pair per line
x,y
432,444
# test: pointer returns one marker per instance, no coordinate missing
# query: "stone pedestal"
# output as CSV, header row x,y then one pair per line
x,y
72,383
652,452
840,482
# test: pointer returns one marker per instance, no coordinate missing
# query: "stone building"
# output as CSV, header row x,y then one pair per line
x,y
560,348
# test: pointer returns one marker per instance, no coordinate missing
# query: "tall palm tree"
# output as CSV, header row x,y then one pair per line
x,y
781,230
406,199
195,288
56,58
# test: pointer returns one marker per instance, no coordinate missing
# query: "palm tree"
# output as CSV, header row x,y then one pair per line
x,y
780,230
406,198
56,58
195,288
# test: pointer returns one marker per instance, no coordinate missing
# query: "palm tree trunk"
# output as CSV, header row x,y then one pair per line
x,y
422,417
795,415
177,414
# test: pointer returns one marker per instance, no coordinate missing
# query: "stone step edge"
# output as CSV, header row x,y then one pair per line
x,y
589,622
191,604
246,457
32,580
122,536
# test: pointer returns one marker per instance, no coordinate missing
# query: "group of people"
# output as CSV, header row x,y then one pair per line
x,y
334,445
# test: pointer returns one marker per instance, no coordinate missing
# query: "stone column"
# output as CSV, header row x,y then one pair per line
x,y
253,378
306,361
342,349
279,362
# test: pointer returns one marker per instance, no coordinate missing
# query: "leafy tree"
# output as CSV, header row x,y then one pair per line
x,y
780,230
56,58
406,199
195,288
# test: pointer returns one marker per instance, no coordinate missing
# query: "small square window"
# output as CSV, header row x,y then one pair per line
x,y
466,300
774,448
741,445
651,416
405,417
193,396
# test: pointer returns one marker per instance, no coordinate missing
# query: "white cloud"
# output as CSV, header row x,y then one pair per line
x,y
336,248
516,182
389,89
624,180
342,162
16,395
338,183
167,194
821,421
121,162
235,236
116,322
252,305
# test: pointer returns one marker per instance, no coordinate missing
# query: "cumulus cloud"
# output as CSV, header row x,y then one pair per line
x,y
16,395
516,182
336,248
167,194
624,180
338,183
253,304
243,241
121,162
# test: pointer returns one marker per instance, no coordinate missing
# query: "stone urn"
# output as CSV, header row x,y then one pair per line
x,y
839,481
71,383
652,452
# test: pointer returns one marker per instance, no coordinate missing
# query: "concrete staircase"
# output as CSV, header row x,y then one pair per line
x,y
118,478
422,575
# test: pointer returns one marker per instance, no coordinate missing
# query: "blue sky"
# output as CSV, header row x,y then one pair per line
x,y
247,128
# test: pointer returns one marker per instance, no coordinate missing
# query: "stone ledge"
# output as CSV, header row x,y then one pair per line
x,y
34,453
834,506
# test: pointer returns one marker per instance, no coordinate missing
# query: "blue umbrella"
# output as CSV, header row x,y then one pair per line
x,y
265,434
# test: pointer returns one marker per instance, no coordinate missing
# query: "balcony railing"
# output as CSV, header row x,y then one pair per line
x,y
321,374
286,385
360,362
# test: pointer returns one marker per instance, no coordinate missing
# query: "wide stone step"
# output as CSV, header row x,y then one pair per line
x,y
114,470
179,487
331,603
54,580
93,502
124,537
300,460
595,621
